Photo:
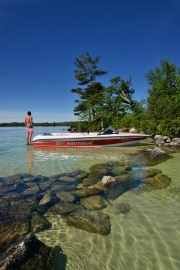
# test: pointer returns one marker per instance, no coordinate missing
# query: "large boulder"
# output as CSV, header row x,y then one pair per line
x,y
176,141
158,181
28,254
90,221
14,223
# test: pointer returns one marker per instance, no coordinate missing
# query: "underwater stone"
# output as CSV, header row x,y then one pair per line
x,y
159,181
63,209
90,221
39,223
122,208
81,175
94,202
98,173
31,190
28,253
122,178
49,199
66,197
119,170
152,157
87,192
67,179
14,223
115,191
89,181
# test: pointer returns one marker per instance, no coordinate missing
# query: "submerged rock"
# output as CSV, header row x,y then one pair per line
x,y
67,179
14,223
28,254
85,192
119,170
77,175
158,181
63,209
115,191
39,223
98,172
63,186
141,174
31,190
49,199
151,157
122,208
89,181
123,179
90,221
94,202
66,197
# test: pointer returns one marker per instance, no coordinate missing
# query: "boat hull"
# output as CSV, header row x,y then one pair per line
x,y
89,142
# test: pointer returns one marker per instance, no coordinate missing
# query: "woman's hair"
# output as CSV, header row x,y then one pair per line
x,y
29,113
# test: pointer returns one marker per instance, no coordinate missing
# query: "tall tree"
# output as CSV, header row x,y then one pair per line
x,y
163,102
118,98
86,73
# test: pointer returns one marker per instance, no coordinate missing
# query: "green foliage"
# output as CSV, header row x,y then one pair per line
x,y
86,73
87,69
163,102
159,114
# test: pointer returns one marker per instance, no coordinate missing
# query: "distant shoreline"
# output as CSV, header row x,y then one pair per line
x,y
45,124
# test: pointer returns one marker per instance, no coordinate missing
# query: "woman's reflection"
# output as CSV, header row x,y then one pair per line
x,y
30,159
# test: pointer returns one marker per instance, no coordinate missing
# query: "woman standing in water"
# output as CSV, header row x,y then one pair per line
x,y
28,121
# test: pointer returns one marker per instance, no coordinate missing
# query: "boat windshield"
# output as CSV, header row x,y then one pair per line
x,y
108,130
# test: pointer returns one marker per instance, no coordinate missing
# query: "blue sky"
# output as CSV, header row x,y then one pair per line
x,y
40,39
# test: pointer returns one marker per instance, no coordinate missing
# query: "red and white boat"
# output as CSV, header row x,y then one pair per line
x,y
107,137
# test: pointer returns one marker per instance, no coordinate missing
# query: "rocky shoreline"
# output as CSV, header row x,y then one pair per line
x,y
79,196
166,141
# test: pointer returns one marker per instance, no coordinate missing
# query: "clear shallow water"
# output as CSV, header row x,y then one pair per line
x,y
147,237
17,157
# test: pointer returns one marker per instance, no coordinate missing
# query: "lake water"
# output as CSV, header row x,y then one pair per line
x,y
147,237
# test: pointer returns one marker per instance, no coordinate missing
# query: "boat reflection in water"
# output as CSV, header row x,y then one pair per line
x,y
102,153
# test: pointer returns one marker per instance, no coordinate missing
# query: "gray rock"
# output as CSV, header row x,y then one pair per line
x,y
133,130
176,141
